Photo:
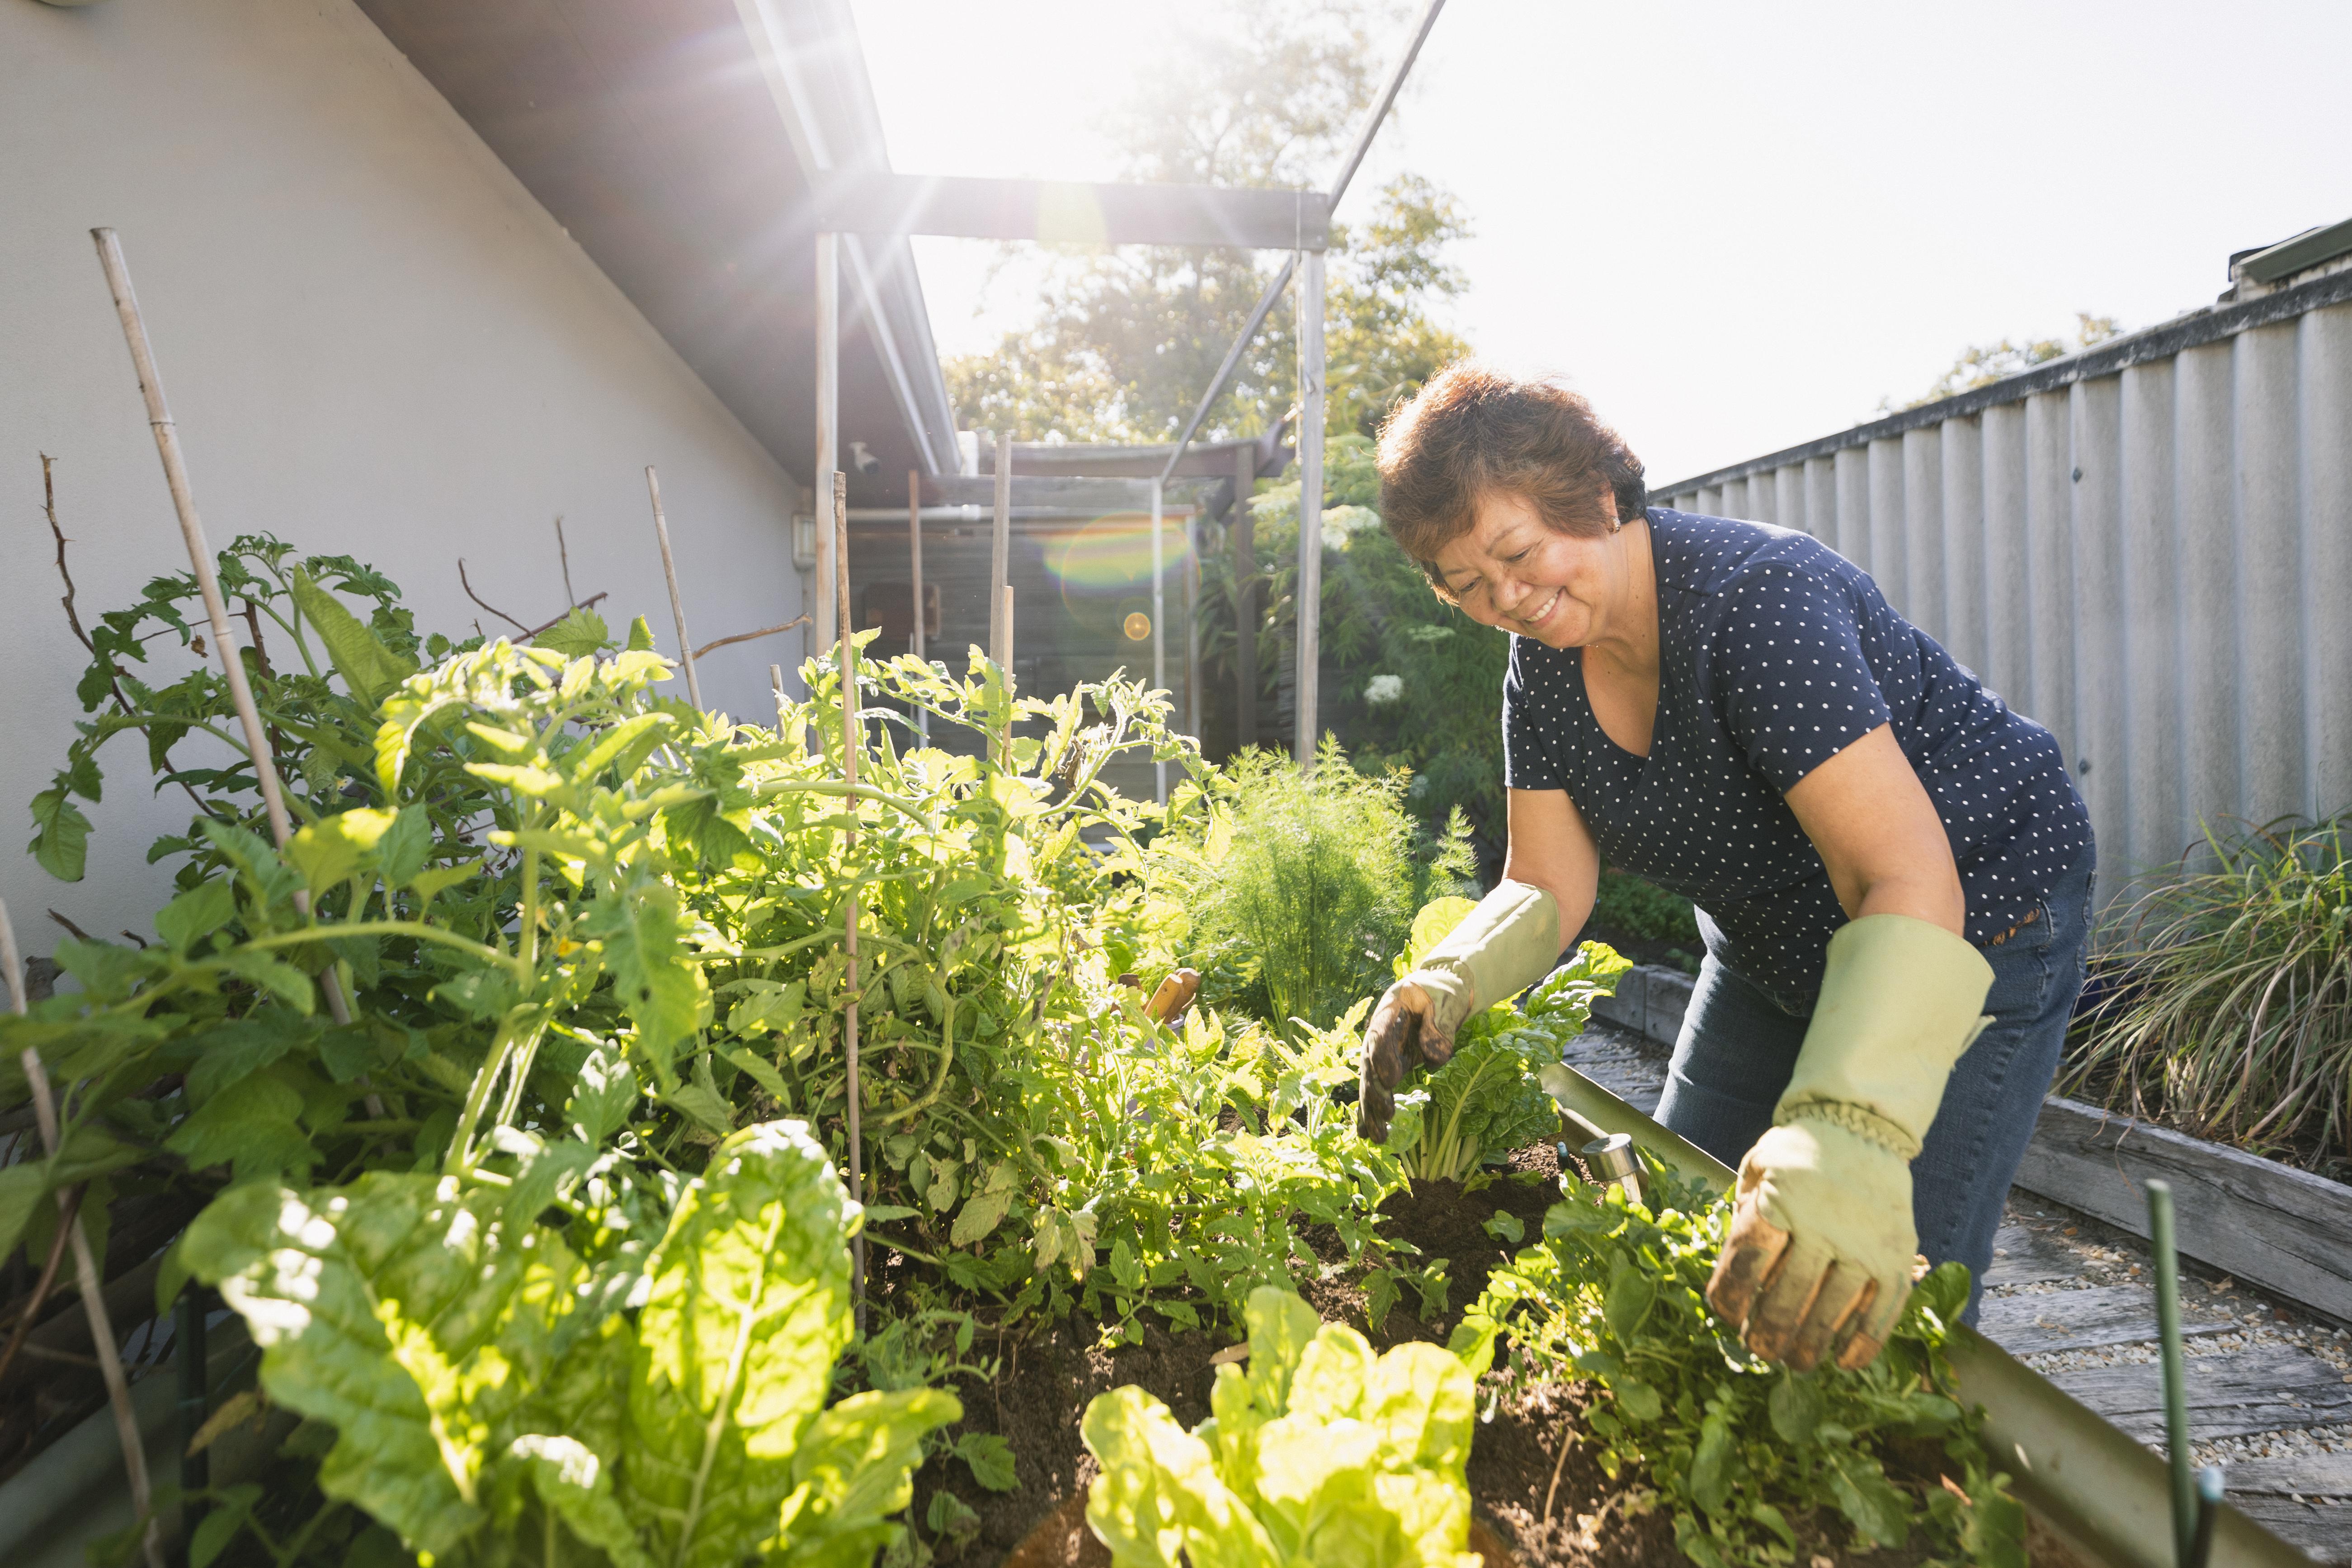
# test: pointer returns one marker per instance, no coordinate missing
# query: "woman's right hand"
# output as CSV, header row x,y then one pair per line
x,y
1398,1038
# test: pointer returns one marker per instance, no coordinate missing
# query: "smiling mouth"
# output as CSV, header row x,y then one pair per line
x,y
1544,612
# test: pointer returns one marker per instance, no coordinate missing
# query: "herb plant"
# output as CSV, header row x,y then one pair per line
x,y
1751,1459
1322,1453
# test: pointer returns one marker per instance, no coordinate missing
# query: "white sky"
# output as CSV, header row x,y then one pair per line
x,y
1734,226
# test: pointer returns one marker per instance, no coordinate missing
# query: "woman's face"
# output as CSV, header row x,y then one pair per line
x,y
1515,571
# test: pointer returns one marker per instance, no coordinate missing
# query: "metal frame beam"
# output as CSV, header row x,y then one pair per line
x,y
1074,212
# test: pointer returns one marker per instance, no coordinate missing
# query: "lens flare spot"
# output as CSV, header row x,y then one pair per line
x,y
1138,625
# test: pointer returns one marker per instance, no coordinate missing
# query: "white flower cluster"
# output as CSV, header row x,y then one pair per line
x,y
1383,689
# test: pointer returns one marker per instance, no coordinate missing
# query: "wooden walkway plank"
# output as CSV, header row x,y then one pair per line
x,y
2024,1256
2259,1389
2077,1320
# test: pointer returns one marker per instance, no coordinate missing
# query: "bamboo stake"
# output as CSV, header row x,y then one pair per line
x,y
200,557
93,1290
676,604
850,737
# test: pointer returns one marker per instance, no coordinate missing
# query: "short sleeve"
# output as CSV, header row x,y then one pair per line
x,y
1788,672
1528,761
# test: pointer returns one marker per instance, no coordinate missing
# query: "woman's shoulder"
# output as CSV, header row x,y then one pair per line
x,y
1707,567
1714,555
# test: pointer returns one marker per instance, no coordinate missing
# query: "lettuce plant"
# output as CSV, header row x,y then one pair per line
x,y
499,1398
1322,1453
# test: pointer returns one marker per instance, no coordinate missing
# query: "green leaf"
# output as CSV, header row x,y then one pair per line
x,y
641,635
575,1486
1992,1531
747,1306
405,847
1867,1500
579,633
990,1459
388,1310
602,1096
273,975
196,915
855,1470
1712,1464
1796,1408
253,1125
229,1051
61,841
764,1074
267,878
985,1208
22,1185
220,1524
1632,1291
653,968
369,668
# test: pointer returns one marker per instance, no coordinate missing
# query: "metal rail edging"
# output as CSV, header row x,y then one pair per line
x,y
2104,1494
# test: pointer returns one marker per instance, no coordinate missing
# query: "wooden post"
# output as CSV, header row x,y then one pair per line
x,y
851,733
915,567
1242,542
676,604
1159,614
1310,498
1192,526
1000,556
828,420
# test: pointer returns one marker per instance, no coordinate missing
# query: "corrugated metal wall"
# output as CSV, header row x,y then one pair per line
x,y
2148,547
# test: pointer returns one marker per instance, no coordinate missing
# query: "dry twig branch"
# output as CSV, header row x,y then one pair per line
x,y
748,636
582,605
563,553
488,606
67,1213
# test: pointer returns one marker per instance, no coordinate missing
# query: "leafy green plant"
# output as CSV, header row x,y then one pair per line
x,y
1322,1453
2225,1001
1486,1099
501,1395
1750,1458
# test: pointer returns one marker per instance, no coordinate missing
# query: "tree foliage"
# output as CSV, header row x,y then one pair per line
x,y
1123,340
1981,364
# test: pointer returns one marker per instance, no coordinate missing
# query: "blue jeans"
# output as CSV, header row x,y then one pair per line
x,y
1738,1049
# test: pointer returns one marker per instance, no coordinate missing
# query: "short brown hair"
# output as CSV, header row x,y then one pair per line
x,y
1473,430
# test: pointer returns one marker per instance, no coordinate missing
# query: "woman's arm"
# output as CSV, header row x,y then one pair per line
x,y
1551,848
1877,832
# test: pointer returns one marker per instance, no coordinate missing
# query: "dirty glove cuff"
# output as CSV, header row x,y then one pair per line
x,y
1502,947
1901,1000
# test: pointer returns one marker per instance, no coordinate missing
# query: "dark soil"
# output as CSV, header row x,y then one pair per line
x,y
1553,1510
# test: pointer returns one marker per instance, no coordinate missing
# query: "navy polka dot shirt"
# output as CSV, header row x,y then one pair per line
x,y
1775,653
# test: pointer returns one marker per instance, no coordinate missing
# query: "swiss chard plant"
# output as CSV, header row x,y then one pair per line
x,y
1321,1454
1751,1459
504,1389
1486,1099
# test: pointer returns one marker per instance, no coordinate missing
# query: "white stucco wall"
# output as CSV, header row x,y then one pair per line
x,y
375,342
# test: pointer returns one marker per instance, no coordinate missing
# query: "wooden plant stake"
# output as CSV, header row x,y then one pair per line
x,y
93,1290
676,604
851,735
776,685
200,557
915,557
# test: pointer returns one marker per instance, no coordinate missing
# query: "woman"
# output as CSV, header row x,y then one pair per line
x,y
1893,869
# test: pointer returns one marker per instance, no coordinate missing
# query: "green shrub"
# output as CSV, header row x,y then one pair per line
x,y
2224,1007
1627,906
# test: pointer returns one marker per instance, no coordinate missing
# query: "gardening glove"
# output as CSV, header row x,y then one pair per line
x,y
1502,947
1819,1260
